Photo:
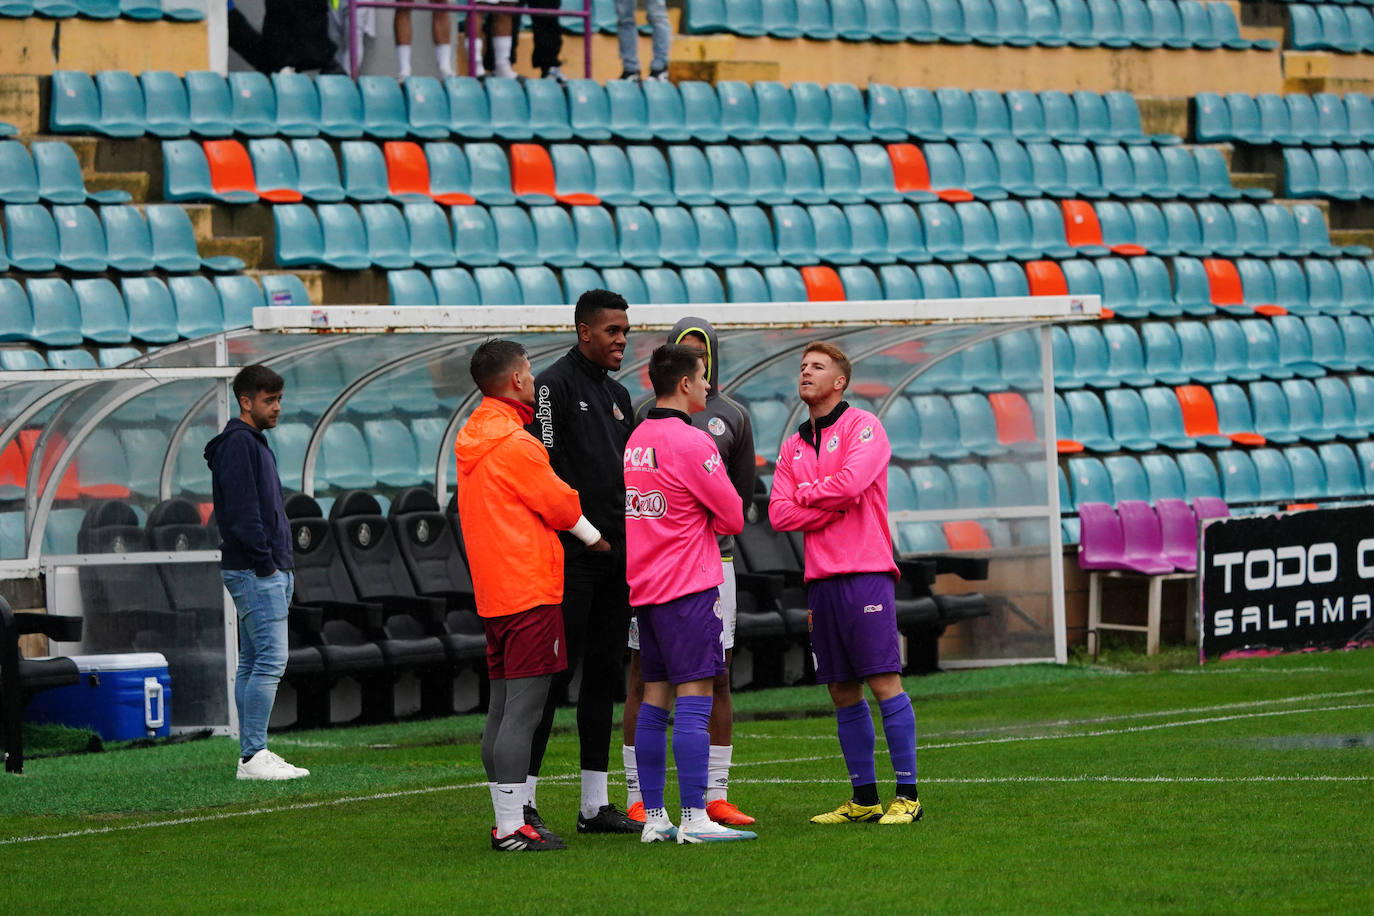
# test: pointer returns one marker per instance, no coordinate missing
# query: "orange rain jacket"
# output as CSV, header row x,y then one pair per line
x,y
511,505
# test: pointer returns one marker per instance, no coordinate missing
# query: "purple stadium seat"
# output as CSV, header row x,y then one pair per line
x,y
1101,544
1178,526
1144,544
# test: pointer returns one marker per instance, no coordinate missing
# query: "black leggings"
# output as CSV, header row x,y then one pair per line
x,y
596,625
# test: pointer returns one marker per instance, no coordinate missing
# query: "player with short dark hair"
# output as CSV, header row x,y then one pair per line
x,y
677,499
582,417
729,426
831,483
511,506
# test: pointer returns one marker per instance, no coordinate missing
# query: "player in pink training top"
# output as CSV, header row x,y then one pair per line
x,y
831,483
678,497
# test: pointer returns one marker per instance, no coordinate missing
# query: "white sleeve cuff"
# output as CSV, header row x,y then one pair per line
x,y
585,531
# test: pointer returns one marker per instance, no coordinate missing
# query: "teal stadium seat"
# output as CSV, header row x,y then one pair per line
x,y
80,239
56,313
197,306
152,314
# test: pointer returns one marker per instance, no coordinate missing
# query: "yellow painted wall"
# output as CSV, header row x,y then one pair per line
x,y
40,46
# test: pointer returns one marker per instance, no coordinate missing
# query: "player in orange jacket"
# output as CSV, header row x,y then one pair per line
x,y
511,506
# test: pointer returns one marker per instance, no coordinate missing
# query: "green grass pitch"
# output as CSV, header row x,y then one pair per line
x,y
1246,786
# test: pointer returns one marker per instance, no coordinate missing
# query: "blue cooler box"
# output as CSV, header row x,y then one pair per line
x,y
121,697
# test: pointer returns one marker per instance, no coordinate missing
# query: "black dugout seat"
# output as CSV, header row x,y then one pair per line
x,y
429,546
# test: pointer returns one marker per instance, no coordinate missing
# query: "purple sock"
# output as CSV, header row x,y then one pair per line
x,y
691,749
899,727
856,742
651,753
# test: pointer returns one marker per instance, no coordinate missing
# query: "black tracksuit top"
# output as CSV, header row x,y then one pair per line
x,y
583,417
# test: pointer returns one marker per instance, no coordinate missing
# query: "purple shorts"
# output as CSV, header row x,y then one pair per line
x,y
681,641
853,623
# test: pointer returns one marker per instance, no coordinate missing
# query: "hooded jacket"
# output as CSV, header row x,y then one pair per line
x,y
248,502
511,506
583,417
724,418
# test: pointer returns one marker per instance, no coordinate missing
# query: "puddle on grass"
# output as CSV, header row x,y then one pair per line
x,y
1294,742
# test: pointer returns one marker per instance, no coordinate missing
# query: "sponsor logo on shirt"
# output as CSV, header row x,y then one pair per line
x,y
716,426
644,505
641,457
545,417
866,434
796,456
582,405
615,412
719,614
833,444
873,608
710,464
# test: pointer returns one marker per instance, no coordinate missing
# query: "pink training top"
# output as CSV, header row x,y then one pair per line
x,y
836,492
678,497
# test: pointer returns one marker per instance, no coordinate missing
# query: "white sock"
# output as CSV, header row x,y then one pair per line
x,y
594,796
658,817
443,56
697,819
718,771
500,56
631,776
506,798
403,61
475,65
531,783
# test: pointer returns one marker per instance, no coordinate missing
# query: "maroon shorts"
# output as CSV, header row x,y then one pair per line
x,y
527,644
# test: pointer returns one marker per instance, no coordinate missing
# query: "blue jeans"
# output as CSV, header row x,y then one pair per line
x,y
657,12
261,605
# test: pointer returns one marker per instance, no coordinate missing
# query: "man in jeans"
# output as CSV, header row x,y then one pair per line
x,y
628,31
256,561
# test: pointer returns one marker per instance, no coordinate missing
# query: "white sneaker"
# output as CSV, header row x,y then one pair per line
x,y
402,75
506,72
555,73
698,828
267,765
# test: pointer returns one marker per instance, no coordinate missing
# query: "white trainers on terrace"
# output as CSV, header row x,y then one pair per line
x,y
267,765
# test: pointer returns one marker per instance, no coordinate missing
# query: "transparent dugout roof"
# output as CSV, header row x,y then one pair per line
x,y
379,411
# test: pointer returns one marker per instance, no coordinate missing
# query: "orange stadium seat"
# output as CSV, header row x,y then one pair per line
x,y
531,173
912,175
407,173
968,535
822,284
1082,227
1046,279
1015,424
1200,416
231,169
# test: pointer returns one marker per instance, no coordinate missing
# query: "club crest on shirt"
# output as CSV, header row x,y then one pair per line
x,y
716,426
710,464
832,444
866,434
582,405
615,412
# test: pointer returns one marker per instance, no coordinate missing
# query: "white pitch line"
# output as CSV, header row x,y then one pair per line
x,y
1098,720
1103,733
304,806
1085,778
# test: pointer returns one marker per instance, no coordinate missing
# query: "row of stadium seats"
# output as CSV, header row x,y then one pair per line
x,y
1142,420
1327,27
1176,352
1153,541
1295,119
177,10
54,313
1239,476
1346,174
1019,23
269,169
122,238
27,359
116,103
342,236
47,171
1136,288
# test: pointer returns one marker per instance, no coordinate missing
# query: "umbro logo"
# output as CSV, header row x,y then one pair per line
x,y
873,608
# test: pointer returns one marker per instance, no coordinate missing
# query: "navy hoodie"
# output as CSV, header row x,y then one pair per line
x,y
248,501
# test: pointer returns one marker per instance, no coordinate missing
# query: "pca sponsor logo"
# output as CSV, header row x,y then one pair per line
x,y
644,505
716,426
641,457
873,608
710,464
